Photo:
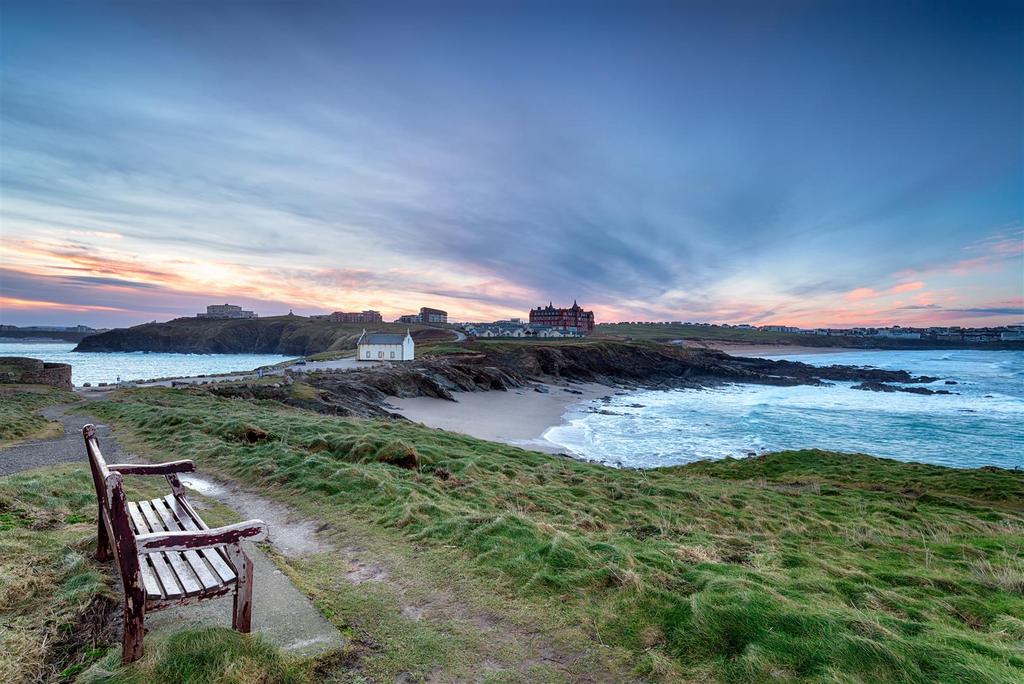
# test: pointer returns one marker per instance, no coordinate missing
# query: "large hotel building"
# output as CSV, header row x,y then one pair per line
x,y
573,318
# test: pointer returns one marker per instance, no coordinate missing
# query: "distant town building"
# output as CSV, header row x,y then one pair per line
x,y
898,334
225,311
385,347
574,318
517,329
426,315
777,328
368,316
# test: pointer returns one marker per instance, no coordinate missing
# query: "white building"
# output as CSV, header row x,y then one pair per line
x,y
218,311
385,347
898,334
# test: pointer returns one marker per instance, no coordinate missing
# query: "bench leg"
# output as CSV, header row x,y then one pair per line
x,y
102,539
242,615
134,629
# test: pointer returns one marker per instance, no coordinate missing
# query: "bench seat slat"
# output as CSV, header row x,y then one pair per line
x,y
198,566
145,569
194,523
182,570
168,580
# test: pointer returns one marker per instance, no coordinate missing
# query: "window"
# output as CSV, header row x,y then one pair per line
x,y
367,354
380,355
392,354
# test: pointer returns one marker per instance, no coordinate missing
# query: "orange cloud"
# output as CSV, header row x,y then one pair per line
x,y
30,304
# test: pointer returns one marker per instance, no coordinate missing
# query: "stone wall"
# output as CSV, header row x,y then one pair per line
x,y
21,369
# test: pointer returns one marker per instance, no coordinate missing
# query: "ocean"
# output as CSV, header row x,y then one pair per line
x,y
94,368
983,424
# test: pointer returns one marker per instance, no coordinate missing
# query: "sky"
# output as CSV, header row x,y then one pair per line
x,y
803,163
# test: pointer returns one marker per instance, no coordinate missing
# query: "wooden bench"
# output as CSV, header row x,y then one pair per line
x,y
166,554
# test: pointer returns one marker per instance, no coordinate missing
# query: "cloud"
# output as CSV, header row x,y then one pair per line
x,y
863,293
357,159
906,287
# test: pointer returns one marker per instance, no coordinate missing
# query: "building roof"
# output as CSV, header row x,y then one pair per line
x,y
381,338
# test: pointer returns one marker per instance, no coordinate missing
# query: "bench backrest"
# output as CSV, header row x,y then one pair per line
x,y
113,509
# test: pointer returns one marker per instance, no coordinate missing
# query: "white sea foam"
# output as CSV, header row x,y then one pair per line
x,y
983,424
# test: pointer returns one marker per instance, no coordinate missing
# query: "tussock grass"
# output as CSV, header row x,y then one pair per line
x,y
59,608
53,596
213,655
798,566
18,406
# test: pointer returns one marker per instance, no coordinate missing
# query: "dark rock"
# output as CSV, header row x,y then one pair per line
x,y
874,386
364,391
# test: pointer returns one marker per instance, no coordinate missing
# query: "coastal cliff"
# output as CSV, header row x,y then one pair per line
x,y
290,335
505,366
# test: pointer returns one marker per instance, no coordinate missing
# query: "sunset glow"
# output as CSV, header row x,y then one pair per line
x,y
344,160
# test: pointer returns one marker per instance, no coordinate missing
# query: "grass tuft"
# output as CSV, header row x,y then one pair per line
x,y
212,655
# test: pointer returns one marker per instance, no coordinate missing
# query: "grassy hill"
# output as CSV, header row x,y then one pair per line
x,y
794,567
659,332
292,335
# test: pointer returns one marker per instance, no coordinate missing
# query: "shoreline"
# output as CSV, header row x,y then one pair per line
x,y
517,417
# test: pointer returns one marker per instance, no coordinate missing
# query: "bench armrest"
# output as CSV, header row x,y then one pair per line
x,y
169,468
252,530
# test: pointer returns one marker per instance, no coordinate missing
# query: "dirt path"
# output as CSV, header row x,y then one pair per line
x,y
512,647
67,448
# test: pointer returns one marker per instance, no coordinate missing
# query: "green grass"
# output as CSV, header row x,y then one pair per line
x,y
498,346
53,595
214,655
659,332
18,406
58,606
801,566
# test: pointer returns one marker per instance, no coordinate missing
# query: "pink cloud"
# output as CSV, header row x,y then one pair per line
x,y
862,293
906,287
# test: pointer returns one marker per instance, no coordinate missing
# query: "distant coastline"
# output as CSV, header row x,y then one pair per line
x,y
300,335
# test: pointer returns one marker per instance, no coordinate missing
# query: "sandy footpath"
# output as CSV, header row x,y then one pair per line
x,y
519,417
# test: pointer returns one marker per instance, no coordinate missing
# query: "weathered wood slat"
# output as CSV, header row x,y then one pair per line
x,y
182,570
164,572
155,545
207,578
193,522
140,526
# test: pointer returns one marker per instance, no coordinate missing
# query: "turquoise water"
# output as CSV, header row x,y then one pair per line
x,y
981,425
95,368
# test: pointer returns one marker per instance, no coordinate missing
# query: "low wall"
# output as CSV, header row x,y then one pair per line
x,y
21,369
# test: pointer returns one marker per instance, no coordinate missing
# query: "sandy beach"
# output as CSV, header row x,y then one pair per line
x,y
518,417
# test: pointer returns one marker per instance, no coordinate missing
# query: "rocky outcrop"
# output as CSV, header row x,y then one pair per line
x,y
365,392
874,386
27,371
